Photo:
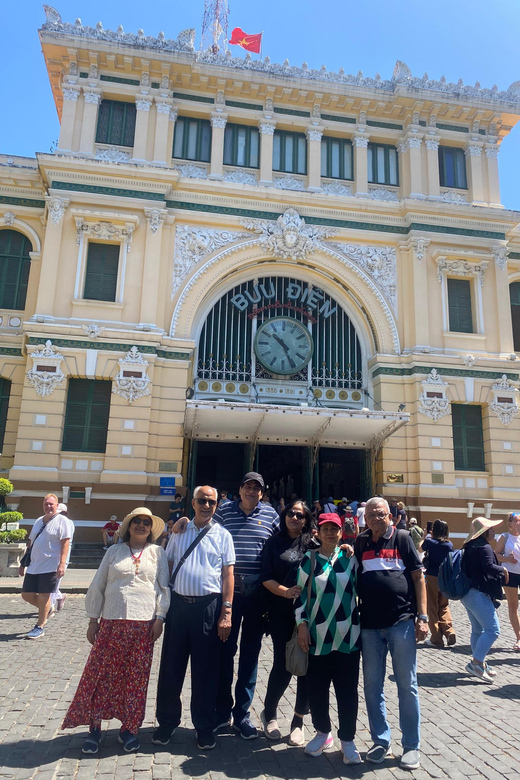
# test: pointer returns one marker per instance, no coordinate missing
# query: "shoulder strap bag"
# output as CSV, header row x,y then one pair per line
x,y
296,661
25,560
189,551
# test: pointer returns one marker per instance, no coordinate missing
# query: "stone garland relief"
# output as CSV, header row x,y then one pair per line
x,y
136,386
433,401
104,231
504,404
51,376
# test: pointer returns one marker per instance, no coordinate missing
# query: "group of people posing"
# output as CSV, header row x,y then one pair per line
x,y
237,571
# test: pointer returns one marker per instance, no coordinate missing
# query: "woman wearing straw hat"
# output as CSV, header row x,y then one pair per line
x,y
130,593
486,576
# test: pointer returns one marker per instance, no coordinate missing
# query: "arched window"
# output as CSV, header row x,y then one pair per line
x,y
15,265
514,296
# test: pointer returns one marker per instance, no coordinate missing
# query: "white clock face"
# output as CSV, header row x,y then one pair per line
x,y
283,345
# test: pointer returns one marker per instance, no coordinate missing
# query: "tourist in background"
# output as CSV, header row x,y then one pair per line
x,y
109,532
508,554
416,532
57,597
401,520
439,616
487,577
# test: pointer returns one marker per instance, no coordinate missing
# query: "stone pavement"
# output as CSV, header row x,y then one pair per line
x,y
469,730
74,581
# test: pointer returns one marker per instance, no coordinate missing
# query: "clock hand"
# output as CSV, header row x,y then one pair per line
x,y
281,342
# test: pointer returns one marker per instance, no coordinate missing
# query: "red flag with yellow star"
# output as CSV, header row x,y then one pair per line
x,y
247,42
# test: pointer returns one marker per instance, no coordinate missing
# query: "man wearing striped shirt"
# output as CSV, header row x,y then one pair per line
x,y
198,623
250,522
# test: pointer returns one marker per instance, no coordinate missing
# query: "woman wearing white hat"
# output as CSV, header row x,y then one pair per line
x,y
130,593
486,576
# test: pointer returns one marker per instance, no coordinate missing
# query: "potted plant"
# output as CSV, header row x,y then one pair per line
x,y
12,544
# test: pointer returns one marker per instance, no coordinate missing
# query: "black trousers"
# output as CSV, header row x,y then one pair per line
x,y
342,670
190,631
281,626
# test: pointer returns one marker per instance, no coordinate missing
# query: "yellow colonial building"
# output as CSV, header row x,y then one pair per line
x,y
228,263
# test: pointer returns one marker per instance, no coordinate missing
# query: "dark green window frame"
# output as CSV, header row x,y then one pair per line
x,y
86,416
192,139
116,123
460,307
289,152
101,272
514,297
15,265
242,146
337,160
468,437
452,167
5,392
383,164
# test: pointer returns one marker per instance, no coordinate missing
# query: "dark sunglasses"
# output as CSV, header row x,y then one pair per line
x,y
297,515
143,520
208,501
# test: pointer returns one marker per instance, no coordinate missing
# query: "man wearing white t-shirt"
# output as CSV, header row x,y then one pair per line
x,y
49,543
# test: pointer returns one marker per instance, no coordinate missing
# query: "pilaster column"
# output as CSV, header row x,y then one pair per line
x,y
218,124
266,152
474,172
151,266
92,98
492,151
314,136
161,153
433,188
68,118
413,275
411,165
503,325
360,142
56,208
142,105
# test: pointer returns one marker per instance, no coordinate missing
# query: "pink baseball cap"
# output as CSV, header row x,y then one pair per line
x,y
330,517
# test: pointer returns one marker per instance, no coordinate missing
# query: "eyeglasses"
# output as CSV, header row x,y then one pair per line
x,y
377,515
138,520
296,515
208,501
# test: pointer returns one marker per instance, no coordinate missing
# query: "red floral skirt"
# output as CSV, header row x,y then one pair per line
x,y
114,682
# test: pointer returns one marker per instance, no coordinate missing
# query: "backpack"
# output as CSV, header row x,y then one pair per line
x,y
453,581
349,527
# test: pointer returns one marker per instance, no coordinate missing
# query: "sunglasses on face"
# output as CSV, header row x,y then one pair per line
x,y
142,520
297,515
208,501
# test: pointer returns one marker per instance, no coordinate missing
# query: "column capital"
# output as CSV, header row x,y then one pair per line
x,y
409,142
492,151
143,104
56,208
218,120
92,96
360,140
70,93
432,144
174,113
500,256
155,218
267,127
163,106
314,134
473,149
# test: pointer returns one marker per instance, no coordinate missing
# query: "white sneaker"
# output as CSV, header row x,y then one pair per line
x,y
318,744
350,752
297,736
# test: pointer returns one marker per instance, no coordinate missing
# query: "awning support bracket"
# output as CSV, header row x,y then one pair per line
x,y
316,440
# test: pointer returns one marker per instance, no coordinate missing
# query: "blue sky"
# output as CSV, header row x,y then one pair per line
x,y
476,40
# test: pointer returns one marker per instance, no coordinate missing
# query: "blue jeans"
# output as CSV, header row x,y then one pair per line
x,y
485,628
375,645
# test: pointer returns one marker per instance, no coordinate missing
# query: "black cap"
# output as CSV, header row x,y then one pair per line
x,y
253,476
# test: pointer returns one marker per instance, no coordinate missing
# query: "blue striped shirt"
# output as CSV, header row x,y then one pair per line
x,y
249,532
201,574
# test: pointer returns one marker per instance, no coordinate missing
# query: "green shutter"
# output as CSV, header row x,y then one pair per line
x,y
5,391
116,123
15,265
452,167
101,273
383,167
468,439
514,296
241,146
289,152
459,306
192,139
86,417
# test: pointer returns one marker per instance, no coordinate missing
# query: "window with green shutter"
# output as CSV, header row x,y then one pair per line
x,y
289,152
5,391
383,164
459,305
241,146
192,139
514,296
86,416
15,265
452,167
116,123
101,273
336,158
468,438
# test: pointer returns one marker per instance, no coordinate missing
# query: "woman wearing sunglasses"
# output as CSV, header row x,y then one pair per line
x,y
281,557
508,554
130,594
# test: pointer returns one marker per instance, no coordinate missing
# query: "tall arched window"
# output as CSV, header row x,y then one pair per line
x,y
514,296
15,265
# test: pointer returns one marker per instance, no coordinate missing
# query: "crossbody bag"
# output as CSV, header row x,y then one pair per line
x,y
25,560
198,539
296,660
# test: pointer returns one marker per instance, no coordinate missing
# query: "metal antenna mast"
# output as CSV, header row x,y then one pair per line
x,y
215,26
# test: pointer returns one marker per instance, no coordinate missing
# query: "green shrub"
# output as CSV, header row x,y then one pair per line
x,y
13,537
6,487
10,517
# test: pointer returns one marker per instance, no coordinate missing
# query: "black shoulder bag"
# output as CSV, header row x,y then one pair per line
x,y
189,551
25,560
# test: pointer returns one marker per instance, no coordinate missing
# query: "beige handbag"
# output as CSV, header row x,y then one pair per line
x,y
296,661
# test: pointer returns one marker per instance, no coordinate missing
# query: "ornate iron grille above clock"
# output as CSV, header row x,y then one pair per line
x,y
280,340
